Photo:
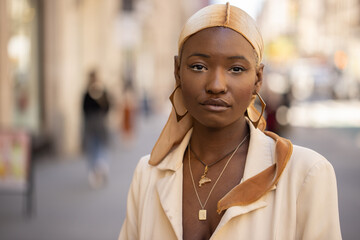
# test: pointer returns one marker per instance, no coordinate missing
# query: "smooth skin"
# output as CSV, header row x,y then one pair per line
x,y
218,75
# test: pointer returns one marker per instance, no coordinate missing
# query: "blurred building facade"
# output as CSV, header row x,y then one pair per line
x,y
320,27
48,47
322,34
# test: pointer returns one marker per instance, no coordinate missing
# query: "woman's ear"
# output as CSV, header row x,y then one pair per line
x,y
177,70
259,77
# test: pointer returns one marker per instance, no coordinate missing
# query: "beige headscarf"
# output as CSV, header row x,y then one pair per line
x,y
218,15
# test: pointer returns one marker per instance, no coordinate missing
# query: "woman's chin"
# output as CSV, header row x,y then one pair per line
x,y
216,123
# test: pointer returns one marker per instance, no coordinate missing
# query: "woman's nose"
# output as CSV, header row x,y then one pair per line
x,y
216,83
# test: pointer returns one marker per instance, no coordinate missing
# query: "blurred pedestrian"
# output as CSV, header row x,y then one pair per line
x,y
95,108
214,172
128,113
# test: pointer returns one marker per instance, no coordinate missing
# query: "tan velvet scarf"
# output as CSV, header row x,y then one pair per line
x,y
257,186
174,131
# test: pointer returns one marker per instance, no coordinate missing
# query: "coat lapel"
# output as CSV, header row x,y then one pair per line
x,y
260,153
240,210
260,157
267,158
169,188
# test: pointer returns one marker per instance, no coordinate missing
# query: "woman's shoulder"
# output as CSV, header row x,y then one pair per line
x,y
144,169
305,160
143,173
143,163
302,158
307,170
307,156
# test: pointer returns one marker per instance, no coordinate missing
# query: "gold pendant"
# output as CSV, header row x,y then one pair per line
x,y
202,214
204,179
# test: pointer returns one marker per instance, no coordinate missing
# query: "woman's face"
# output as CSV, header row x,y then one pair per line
x,y
218,76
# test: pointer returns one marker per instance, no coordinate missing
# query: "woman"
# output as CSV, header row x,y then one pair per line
x,y
95,108
214,172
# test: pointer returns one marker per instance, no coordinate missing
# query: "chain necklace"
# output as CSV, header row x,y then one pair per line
x,y
202,211
204,179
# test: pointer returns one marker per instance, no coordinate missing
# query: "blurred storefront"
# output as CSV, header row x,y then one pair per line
x,y
323,34
47,49
311,54
19,64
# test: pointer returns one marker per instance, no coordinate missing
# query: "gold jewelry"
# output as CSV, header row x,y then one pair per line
x,y
202,211
178,100
204,179
263,105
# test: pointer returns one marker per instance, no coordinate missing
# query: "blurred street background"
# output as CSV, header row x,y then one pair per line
x,y
50,50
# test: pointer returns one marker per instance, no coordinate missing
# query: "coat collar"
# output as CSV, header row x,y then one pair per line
x,y
260,154
173,161
267,157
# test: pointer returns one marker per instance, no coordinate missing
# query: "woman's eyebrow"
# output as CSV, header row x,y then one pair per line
x,y
207,56
199,55
239,57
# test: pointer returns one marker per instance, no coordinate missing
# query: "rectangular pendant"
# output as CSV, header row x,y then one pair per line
x,y
202,214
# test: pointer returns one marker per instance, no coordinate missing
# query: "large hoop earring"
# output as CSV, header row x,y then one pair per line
x,y
175,99
263,106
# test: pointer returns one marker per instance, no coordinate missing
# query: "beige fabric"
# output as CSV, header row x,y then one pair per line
x,y
254,188
210,16
303,204
221,15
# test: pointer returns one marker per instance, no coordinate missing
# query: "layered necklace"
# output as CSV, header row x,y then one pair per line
x,y
202,211
204,179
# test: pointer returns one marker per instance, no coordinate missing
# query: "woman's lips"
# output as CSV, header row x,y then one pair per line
x,y
215,104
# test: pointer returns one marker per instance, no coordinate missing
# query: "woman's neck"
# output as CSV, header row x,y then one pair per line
x,y
210,144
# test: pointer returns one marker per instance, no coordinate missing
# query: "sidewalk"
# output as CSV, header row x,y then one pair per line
x,y
66,207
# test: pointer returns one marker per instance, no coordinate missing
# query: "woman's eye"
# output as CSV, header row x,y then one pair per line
x,y
237,69
197,68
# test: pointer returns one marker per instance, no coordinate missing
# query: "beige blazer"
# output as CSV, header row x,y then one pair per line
x,y
303,205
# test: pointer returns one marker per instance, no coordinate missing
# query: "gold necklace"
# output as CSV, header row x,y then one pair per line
x,y
202,211
204,179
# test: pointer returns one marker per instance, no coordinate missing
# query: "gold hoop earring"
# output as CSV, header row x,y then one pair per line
x,y
174,99
263,106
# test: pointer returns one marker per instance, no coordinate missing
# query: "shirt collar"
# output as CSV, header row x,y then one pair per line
x,y
260,153
173,161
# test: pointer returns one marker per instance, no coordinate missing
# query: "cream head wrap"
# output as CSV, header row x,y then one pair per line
x,y
221,15
218,15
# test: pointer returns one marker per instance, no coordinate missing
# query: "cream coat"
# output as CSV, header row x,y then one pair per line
x,y
303,205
